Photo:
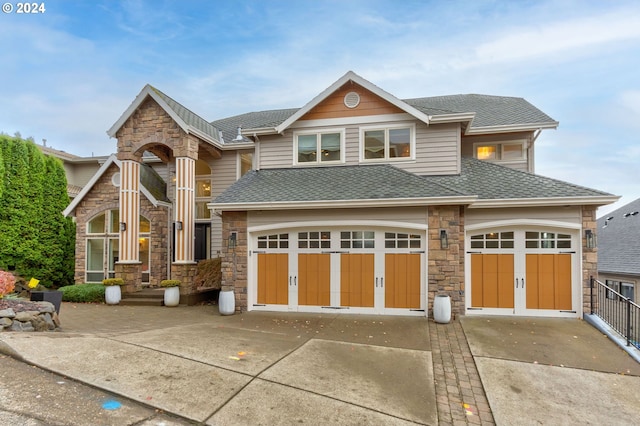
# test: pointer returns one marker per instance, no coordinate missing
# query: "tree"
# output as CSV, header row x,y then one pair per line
x,y
36,239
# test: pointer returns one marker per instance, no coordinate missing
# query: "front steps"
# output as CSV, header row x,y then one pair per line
x,y
145,297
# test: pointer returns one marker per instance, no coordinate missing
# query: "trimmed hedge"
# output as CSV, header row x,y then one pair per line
x,y
83,293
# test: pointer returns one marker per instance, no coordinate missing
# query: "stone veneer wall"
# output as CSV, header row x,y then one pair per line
x,y
234,261
589,258
105,196
446,266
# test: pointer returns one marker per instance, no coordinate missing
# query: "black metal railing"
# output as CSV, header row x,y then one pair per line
x,y
621,313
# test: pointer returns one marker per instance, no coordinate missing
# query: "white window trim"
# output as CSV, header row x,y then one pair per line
x,y
386,127
499,145
319,132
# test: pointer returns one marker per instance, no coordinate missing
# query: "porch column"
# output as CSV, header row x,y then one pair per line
x,y
129,211
185,208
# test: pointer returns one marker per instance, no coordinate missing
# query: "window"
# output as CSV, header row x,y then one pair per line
x,y
623,288
357,239
401,240
246,163
547,240
506,151
388,143
274,241
314,239
492,240
321,147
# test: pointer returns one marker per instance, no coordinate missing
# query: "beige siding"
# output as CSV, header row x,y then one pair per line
x,y
525,165
437,149
415,215
562,214
223,172
216,235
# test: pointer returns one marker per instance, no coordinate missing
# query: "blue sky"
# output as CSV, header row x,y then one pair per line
x,y
68,74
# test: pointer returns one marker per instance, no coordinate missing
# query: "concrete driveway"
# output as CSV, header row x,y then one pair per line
x,y
254,368
553,371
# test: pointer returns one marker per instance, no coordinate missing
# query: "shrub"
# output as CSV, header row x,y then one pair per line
x,y
169,283
209,274
83,293
113,281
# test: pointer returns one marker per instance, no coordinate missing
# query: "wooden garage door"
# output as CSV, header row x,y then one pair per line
x,y
357,279
273,278
314,279
492,277
548,282
402,281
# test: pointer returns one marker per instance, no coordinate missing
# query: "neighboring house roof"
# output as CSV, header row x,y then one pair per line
x,y
481,113
500,186
343,186
149,185
619,240
189,122
480,184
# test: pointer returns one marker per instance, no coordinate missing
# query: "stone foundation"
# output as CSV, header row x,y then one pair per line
x,y
41,317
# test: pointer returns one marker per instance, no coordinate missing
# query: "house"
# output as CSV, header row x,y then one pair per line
x,y
619,250
357,202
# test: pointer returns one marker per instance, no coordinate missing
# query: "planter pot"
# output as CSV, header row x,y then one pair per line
x,y
53,297
112,294
227,302
442,309
172,296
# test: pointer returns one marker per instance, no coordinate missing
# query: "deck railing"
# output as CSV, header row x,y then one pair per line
x,y
621,313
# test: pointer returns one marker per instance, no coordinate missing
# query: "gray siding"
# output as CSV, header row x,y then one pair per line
x,y
561,214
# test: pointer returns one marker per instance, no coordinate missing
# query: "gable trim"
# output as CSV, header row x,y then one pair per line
x,y
94,179
351,76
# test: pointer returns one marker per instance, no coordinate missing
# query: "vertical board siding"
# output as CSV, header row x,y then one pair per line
x,y
129,210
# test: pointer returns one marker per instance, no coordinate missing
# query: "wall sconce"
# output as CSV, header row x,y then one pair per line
x,y
123,226
444,239
233,240
591,238
179,225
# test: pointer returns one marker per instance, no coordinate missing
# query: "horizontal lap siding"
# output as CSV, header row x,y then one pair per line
x,y
562,214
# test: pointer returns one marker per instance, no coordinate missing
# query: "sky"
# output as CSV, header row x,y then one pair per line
x,y
68,73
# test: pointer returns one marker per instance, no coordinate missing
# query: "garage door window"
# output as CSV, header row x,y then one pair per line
x,y
315,239
357,239
274,241
394,240
547,240
492,240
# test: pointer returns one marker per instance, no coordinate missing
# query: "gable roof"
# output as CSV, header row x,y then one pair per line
x,y
619,240
480,113
338,186
479,185
154,190
351,76
189,122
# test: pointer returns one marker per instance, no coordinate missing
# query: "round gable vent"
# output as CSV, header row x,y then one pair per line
x,y
351,100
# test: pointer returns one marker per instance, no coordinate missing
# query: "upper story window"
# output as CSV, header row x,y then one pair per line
x,y
387,143
505,151
319,147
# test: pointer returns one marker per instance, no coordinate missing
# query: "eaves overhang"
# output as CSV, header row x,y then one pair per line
x,y
544,202
342,204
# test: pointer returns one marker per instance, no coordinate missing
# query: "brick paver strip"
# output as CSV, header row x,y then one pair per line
x,y
460,395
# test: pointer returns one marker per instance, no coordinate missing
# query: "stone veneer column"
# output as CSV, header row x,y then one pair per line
x,y
234,260
589,258
446,266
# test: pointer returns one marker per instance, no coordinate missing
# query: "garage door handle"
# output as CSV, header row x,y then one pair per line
x,y
516,283
381,282
376,282
522,282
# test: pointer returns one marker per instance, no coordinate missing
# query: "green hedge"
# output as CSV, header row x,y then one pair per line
x,y
83,293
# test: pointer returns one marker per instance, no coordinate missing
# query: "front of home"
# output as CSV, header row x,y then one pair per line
x,y
358,202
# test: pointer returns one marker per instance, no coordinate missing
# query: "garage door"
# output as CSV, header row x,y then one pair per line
x,y
354,270
523,272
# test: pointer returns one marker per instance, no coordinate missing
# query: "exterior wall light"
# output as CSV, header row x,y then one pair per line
x,y
179,225
591,238
233,240
444,239
123,226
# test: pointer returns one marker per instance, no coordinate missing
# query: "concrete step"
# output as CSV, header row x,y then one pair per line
x,y
146,297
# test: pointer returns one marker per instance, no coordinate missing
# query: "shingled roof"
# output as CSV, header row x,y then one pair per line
x,y
479,182
490,112
619,240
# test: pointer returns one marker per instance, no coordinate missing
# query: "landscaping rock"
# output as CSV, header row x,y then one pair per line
x,y
21,315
